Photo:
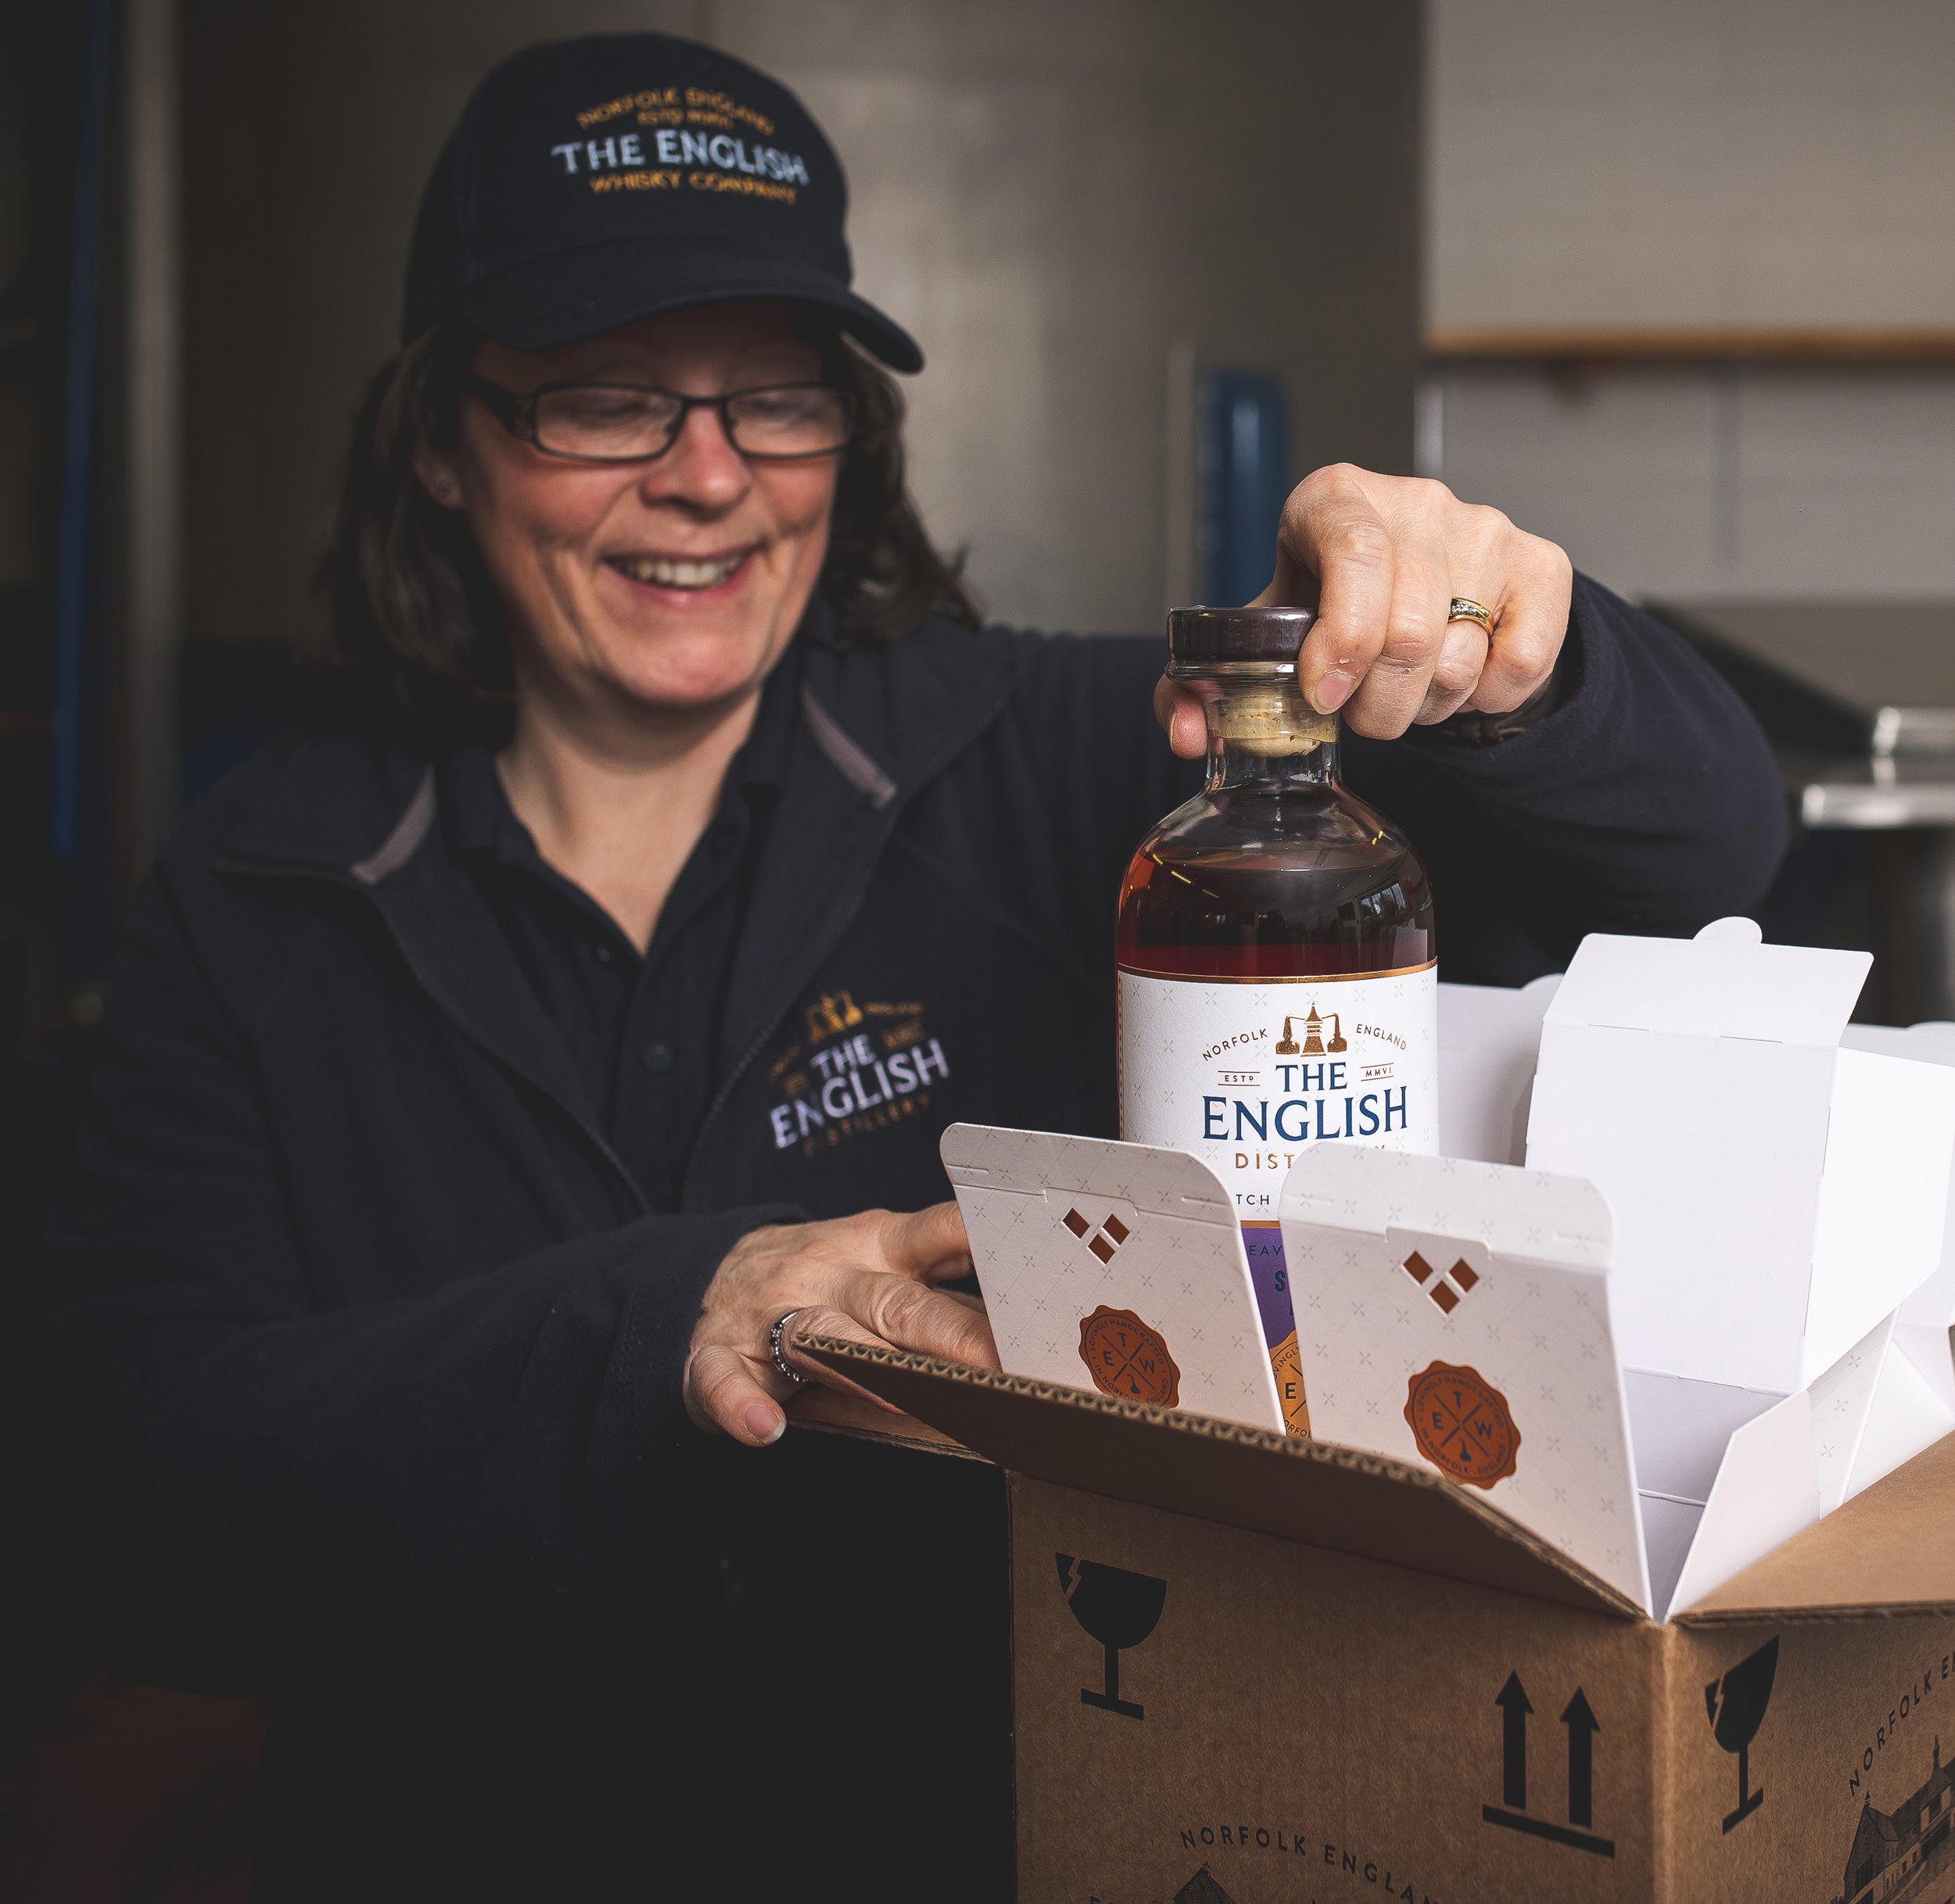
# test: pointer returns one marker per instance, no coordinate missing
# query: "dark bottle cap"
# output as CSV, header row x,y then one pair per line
x,y
1200,638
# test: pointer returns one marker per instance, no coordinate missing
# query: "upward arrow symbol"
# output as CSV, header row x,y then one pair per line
x,y
1582,1728
1512,1702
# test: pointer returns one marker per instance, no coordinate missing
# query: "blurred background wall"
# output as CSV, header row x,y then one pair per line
x,y
1053,198
1690,281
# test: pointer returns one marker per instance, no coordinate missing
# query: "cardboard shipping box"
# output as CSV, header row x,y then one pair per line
x,y
1252,1667
1679,1624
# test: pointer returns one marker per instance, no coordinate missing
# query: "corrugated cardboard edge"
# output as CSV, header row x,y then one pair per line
x,y
832,1411
1222,1472
1888,1552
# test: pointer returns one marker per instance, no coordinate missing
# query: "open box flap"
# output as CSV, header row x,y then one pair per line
x,y
1888,1549
1711,987
1306,1491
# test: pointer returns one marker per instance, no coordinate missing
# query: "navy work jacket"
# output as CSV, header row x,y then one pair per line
x,y
367,1392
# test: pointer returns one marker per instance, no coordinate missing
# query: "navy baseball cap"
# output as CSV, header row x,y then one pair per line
x,y
593,182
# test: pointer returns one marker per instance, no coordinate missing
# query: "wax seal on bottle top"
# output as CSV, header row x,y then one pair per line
x,y
1278,977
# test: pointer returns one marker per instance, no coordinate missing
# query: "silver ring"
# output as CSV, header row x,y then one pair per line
x,y
773,1348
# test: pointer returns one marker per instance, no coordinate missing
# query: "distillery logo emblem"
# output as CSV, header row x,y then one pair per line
x,y
674,138
1128,1359
1462,1424
1248,1073
1119,1608
1313,1045
858,1068
1342,1108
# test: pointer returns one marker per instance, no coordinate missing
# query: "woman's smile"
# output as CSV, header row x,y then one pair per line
x,y
680,575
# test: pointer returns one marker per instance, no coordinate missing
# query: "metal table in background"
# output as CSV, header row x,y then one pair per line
x,y
1858,699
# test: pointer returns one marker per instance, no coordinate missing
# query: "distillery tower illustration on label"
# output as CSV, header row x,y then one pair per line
x,y
1277,960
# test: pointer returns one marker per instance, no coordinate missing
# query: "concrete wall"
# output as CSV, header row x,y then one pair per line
x,y
1051,197
1741,162
1700,163
1739,481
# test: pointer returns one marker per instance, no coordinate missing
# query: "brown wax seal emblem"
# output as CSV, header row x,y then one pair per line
x,y
1287,1361
1462,1425
1127,1359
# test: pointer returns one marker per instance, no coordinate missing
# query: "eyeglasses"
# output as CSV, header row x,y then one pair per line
x,y
633,423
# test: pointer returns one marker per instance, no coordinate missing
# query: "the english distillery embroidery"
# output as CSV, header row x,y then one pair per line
x,y
859,1068
689,127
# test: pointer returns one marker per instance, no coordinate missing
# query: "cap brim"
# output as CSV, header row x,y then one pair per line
x,y
565,299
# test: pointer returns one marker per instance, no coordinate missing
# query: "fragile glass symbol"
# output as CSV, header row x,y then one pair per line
x,y
1736,1704
1117,1608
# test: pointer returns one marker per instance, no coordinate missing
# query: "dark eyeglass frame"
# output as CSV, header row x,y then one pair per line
x,y
516,410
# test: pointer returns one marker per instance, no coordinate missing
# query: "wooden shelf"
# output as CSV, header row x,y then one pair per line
x,y
1688,344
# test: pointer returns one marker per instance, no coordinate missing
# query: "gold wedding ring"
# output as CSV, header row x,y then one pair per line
x,y
1462,610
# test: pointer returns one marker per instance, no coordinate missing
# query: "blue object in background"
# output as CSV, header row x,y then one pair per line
x,y
1244,469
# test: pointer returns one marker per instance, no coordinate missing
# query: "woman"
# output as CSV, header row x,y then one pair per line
x,y
466,1126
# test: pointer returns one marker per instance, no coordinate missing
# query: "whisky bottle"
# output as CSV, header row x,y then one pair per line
x,y
1277,963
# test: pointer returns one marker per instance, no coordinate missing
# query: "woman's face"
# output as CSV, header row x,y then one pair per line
x,y
673,584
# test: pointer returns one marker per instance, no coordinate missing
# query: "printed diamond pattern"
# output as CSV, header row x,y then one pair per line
x,y
1446,1290
1060,1225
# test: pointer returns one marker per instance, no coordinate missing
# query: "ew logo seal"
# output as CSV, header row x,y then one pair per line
x,y
1462,1425
1127,1359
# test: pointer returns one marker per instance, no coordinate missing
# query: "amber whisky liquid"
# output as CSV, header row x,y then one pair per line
x,y
1274,882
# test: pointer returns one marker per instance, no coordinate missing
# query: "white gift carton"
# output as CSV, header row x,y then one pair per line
x,y
1119,1266
1878,1406
1931,1307
1489,1038
1458,1314
1665,1476
1776,1192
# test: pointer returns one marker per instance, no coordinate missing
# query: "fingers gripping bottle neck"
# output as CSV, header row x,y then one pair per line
x,y
1277,960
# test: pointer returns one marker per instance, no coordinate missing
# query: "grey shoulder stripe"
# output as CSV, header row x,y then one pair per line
x,y
400,845
844,755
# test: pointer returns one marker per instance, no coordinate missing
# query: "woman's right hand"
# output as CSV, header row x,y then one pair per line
x,y
865,1279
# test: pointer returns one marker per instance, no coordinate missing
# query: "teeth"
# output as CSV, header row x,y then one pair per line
x,y
669,574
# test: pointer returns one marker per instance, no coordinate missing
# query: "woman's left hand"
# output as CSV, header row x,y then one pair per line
x,y
1381,558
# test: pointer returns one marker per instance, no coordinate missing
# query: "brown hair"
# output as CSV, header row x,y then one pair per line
x,y
415,648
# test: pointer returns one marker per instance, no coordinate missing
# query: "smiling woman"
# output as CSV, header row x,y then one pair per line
x,y
499,1079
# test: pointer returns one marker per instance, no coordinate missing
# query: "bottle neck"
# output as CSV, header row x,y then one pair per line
x,y
1263,733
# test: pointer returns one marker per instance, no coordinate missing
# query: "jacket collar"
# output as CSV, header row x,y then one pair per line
x,y
884,720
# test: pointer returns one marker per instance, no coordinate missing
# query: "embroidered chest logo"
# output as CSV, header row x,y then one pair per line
x,y
858,1068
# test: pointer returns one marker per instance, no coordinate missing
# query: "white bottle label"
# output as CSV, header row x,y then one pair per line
x,y
1249,1073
